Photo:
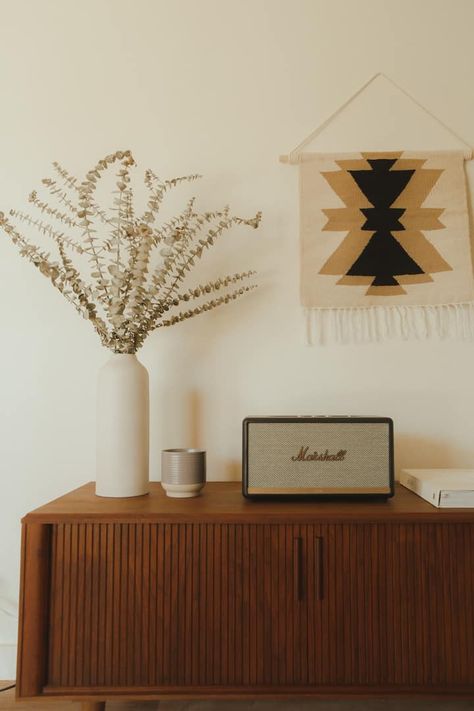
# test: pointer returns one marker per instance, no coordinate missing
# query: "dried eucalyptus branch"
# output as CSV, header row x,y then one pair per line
x,y
124,293
47,230
182,316
52,211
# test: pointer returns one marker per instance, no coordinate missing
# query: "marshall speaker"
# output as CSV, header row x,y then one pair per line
x,y
318,457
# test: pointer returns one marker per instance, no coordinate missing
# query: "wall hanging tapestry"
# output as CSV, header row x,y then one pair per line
x,y
385,246
385,238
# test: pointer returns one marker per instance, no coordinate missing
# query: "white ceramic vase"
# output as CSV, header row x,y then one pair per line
x,y
122,428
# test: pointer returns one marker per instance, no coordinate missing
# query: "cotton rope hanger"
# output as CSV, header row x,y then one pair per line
x,y
294,155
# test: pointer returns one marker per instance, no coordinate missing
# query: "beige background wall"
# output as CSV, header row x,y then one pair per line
x,y
220,87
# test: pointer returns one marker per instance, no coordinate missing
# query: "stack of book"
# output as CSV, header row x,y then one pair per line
x,y
444,488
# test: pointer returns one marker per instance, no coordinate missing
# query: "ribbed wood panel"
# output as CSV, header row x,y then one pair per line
x,y
397,606
195,604
170,604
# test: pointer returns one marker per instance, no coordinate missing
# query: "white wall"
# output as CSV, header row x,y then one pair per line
x,y
221,87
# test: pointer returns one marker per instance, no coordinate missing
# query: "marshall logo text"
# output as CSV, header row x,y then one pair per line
x,y
305,456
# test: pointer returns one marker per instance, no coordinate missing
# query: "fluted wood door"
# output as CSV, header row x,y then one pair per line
x,y
428,581
156,605
386,605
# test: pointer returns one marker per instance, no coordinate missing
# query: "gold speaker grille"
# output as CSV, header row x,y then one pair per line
x,y
318,457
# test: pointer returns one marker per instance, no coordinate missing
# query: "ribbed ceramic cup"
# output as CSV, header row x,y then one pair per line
x,y
183,472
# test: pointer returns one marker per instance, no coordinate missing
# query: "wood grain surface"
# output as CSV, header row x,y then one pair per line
x,y
223,501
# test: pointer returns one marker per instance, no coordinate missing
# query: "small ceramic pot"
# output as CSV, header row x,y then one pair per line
x,y
183,472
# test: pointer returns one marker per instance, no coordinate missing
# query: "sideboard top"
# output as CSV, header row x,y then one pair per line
x,y
223,501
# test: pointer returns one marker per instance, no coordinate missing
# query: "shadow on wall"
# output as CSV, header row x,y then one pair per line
x,y
230,469
415,452
195,419
470,215
180,417
8,635
8,620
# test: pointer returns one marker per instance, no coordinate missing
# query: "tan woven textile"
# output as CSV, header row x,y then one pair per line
x,y
387,229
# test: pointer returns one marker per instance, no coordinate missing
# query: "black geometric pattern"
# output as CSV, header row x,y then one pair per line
x,y
383,257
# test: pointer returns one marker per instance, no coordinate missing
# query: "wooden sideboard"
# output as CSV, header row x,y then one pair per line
x,y
220,597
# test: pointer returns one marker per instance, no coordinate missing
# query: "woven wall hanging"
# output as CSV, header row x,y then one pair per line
x,y
385,245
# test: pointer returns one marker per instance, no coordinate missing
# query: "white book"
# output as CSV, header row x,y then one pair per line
x,y
444,488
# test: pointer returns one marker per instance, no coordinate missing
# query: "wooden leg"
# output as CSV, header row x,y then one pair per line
x,y
93,706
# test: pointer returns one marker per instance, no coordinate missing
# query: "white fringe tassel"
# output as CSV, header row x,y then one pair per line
x,y
381,323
